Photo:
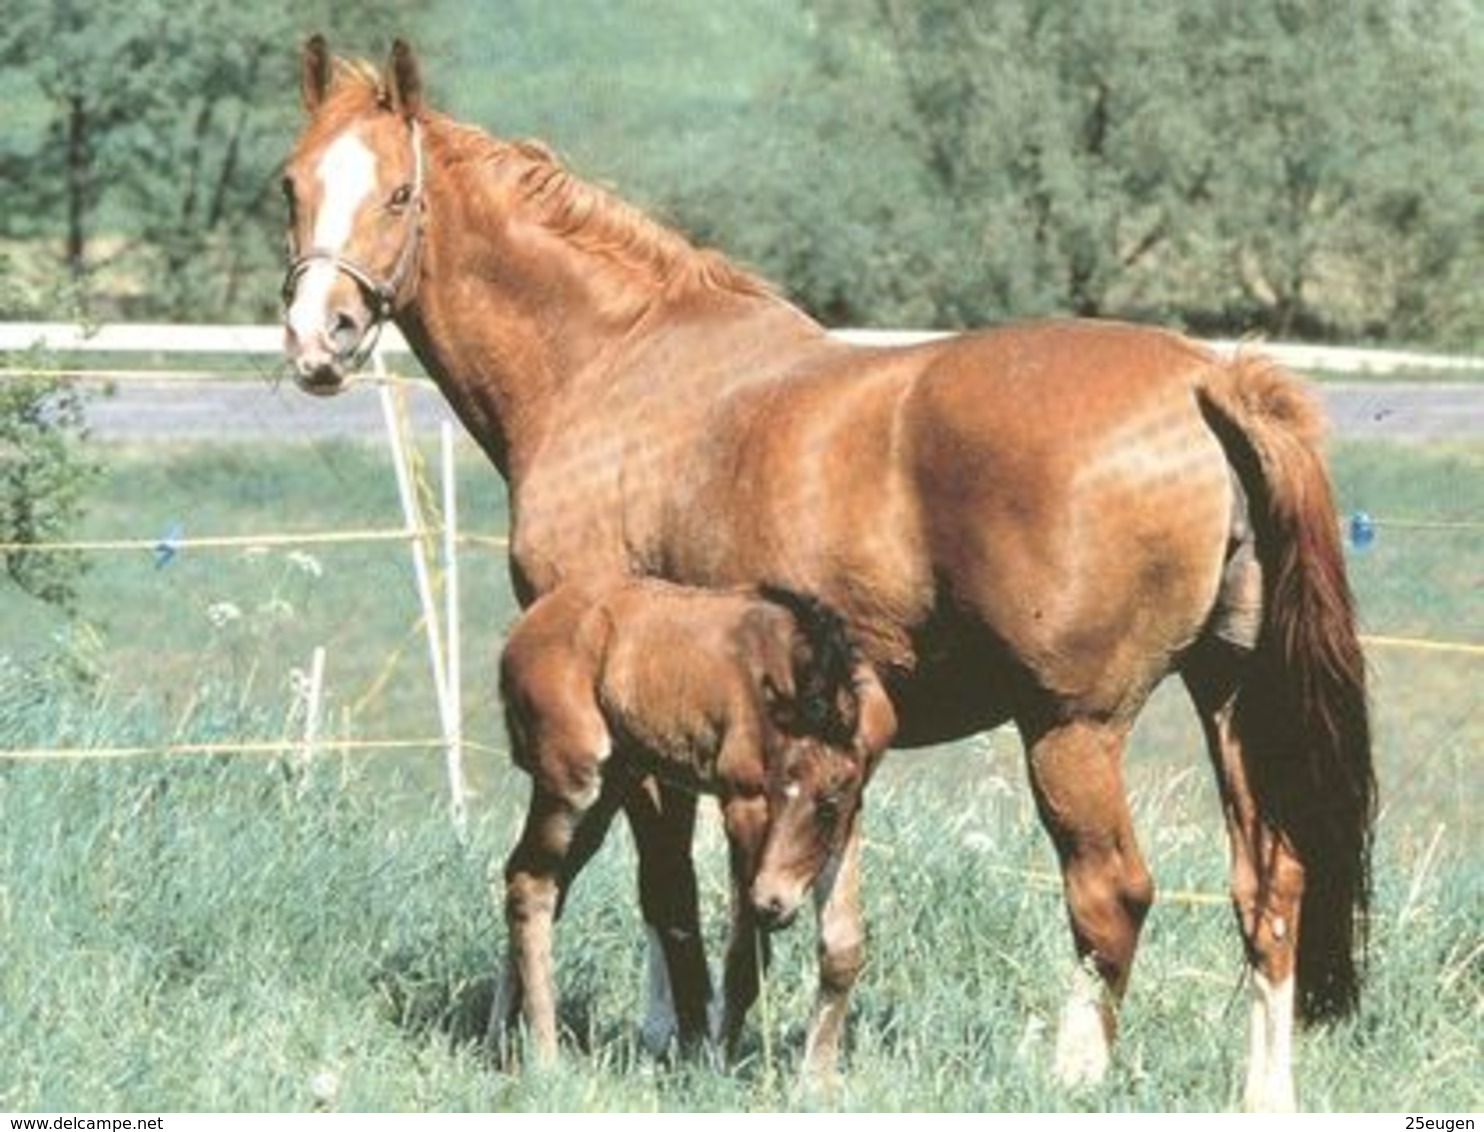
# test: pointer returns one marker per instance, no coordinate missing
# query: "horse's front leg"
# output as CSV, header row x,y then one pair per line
x,y
663,820
842,955
747,946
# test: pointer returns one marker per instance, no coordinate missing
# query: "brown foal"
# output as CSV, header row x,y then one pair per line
x,y
757,698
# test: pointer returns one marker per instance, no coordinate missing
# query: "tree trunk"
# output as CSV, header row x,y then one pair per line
x,y
78,170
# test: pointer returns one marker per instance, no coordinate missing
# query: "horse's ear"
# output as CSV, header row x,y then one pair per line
x,y
404,82
316,70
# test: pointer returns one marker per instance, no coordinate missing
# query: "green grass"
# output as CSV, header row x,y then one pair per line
x,y
215,933
207,935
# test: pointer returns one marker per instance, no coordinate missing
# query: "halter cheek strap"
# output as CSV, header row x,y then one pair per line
x,y
380,294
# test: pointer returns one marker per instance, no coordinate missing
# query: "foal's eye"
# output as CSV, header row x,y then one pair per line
x,y
827,809
402,197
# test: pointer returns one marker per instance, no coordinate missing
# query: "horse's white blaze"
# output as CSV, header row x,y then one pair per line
x,y
1270,1050
347,175
1082,1048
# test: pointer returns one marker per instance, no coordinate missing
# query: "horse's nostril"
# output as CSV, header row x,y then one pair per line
x,y
345,331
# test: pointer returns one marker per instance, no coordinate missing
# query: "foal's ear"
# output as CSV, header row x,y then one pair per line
x,y
404,82
316,70
779,702
877,723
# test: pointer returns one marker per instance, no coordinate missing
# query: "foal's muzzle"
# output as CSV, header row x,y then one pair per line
x,y
774,909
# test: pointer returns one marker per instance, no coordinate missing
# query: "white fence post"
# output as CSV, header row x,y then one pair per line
x,y
412,513
313,697
453,668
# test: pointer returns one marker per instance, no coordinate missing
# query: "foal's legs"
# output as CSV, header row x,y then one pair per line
x,y
1267,884
1076,773
842,954
570,809
663,820
747,946
561,833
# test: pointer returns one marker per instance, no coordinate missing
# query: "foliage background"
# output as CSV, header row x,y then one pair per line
x,y
1302,169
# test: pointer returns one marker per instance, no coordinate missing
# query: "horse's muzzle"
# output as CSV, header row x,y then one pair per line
x,y
322,381
314,368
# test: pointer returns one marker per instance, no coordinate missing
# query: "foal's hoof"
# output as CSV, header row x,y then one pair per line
x,y
819,1088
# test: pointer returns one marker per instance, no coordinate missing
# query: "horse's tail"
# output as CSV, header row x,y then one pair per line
x,y
824,680
1302,712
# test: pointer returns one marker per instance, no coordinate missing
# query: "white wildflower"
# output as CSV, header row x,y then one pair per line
x,y
978,842
324,1087
305,562
222,613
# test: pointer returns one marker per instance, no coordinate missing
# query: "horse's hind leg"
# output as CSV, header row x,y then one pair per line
x,y
1076,773
663,820
1267,884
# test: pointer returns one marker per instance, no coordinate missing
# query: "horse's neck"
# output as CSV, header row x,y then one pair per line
x,y
516,323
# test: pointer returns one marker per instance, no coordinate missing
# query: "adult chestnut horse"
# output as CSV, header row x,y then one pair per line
x,y
1036,524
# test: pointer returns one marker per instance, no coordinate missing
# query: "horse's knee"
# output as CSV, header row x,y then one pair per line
x,y
529,895
842,948
840,967
1108,900
1136,891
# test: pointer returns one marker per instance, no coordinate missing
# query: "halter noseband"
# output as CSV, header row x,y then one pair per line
x,y
380,294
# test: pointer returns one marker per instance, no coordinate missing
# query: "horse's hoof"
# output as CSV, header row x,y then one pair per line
x,y
1082,1048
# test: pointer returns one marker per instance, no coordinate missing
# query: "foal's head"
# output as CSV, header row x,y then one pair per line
x,y
827,731
354,189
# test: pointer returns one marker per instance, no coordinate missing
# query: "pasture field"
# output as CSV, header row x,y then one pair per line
x,y
232,933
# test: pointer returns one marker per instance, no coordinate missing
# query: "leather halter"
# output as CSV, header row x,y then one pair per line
x,y
380,294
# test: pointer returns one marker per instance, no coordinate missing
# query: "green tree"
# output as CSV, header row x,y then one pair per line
x,y
163,126
1295,168
1350,136
45,474
46,470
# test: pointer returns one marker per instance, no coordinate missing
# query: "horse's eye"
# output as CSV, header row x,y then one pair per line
x,y
827,809
402,197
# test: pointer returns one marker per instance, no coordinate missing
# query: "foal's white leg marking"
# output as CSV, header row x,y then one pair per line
x,y
347,176
1082,1048
660,1025
1270,1049
505,994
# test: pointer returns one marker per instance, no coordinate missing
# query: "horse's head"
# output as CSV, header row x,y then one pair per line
x,y
829,725
354,185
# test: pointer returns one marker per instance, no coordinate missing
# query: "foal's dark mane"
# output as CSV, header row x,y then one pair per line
x,y
588,217
832,662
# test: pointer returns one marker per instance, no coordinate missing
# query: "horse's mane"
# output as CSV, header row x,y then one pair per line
x,y
588,217
593,219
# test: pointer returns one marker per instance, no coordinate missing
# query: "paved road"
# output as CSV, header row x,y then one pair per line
x,y
175,410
